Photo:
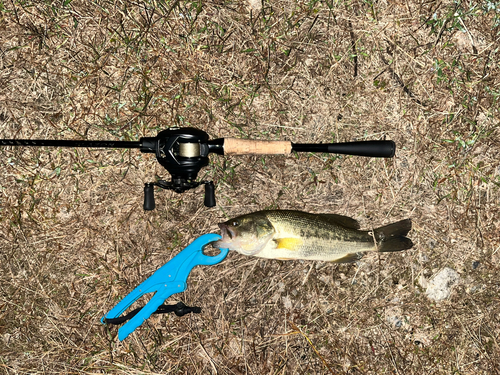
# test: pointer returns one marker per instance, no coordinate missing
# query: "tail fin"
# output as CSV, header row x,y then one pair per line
x,y
392,237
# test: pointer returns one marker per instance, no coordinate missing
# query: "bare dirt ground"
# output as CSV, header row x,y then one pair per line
x,y
74,238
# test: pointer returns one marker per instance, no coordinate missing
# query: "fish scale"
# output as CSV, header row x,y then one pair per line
x,y
322,239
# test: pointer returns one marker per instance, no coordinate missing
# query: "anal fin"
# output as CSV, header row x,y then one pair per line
x,y
349,258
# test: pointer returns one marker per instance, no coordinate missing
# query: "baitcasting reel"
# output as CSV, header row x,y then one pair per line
x,y
184,151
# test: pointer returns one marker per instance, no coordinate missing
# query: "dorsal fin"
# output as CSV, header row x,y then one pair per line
x,y
344,221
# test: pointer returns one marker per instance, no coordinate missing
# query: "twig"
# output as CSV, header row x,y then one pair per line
x,y
400,82
307,275
353,47
474,49
297,329
209,358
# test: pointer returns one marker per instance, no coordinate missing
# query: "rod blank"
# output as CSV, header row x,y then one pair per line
x,y
230,146
68,143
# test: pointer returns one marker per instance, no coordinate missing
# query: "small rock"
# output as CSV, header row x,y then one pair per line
x,y
423,282
439,287
287,302
431,243
281,287
6,338
394,321
325,279
320,265
255,5
475,264
423,258
474,288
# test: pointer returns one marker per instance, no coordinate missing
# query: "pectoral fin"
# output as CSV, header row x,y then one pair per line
x,y
288,243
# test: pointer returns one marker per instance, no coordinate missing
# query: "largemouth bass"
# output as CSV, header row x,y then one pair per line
x,y
281,234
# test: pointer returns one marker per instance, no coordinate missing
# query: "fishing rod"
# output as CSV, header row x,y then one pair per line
x,y
184,151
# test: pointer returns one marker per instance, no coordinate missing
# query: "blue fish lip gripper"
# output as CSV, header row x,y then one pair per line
x,y
170,279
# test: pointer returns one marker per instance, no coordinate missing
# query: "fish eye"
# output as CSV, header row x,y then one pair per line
x,y
235,223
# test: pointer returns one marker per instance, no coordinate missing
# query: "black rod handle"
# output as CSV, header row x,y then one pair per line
x,y
376,149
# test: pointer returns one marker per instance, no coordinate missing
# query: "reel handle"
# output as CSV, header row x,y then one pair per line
x,y
209,194
149,197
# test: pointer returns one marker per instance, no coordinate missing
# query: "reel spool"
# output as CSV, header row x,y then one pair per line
x,y
182,152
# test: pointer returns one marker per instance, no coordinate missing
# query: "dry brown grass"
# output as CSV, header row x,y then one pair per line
x,y
74,238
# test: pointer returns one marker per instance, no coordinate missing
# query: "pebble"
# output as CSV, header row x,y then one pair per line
x,y
439,287
394,321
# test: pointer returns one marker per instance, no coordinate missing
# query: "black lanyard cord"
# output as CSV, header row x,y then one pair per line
x,y
180,309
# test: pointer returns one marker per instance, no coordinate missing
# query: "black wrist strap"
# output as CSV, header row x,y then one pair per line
x,y
180,309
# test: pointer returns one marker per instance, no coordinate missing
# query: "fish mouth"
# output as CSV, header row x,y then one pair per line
x,y
226,231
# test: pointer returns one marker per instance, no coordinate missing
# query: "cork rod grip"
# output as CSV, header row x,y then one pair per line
x,y
234,146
